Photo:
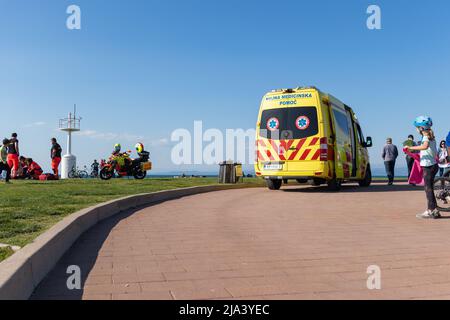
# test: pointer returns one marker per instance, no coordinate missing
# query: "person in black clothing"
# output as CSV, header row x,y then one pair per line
x,y
143,155
13,155
55,154
95,166
4,160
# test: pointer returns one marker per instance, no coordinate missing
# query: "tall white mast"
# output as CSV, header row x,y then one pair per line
x,y
69,125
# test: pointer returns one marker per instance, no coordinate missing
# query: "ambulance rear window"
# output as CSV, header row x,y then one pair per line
x,y
289,123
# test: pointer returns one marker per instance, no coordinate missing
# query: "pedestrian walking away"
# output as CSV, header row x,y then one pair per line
x,y
4,160
389,155
428,162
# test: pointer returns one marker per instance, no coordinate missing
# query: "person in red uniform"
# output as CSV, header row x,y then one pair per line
x,y
34,170
55,154
24,168
13,155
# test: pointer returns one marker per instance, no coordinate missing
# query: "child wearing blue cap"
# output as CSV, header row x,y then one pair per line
x,y
429,164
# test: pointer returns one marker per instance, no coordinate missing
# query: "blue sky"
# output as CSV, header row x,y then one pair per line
x,y
140,69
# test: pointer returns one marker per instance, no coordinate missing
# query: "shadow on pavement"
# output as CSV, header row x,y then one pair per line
x,y
83,253
356,188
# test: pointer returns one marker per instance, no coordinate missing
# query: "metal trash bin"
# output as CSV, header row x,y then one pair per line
x,y
230,172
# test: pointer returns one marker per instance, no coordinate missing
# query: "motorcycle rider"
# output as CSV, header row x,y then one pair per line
x,y
122,158
143,155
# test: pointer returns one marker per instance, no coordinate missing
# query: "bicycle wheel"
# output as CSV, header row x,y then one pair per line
x,y
83,174
71,174
442,193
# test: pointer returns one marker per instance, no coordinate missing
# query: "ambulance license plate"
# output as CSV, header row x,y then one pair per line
x,y
273,167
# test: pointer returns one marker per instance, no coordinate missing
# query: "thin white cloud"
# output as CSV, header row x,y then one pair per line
x,y
110,136
35,124
123,137
160,142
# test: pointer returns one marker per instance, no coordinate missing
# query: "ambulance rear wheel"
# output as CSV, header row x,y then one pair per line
x,y
334,185
367,178
274,184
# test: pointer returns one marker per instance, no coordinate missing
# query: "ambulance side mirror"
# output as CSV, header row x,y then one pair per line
x,y
368,143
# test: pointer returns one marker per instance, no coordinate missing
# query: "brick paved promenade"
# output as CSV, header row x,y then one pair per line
x,y
297,243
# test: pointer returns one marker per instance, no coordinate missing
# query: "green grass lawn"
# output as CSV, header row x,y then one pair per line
x,y
5,253
29,208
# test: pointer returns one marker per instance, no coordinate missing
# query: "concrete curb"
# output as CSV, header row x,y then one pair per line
x,y
21,273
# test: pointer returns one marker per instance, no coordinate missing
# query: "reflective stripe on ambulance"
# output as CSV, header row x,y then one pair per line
x,y
293,150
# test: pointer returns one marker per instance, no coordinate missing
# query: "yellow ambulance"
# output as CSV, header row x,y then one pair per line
x,y
308,135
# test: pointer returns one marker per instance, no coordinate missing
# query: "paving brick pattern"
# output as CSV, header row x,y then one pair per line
x,y
296,243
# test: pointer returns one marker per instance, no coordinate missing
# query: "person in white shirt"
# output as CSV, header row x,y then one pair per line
x,y
444,157
429,164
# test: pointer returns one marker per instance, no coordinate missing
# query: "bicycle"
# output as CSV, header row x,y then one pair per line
x,y
442,193
94,174
78,174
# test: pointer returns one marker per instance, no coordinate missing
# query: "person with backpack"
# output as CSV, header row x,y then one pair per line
x,y
4,160
429,164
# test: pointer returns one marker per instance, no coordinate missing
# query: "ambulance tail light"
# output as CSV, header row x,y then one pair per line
x,y
323,149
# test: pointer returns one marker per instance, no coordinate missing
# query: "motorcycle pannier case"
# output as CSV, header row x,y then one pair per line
x,y
146,166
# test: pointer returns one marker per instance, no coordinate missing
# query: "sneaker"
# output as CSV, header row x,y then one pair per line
x,y
436,214
425,215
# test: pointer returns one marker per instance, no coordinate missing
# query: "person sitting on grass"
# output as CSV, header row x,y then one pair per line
x,y
4,160
34,170
22,168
